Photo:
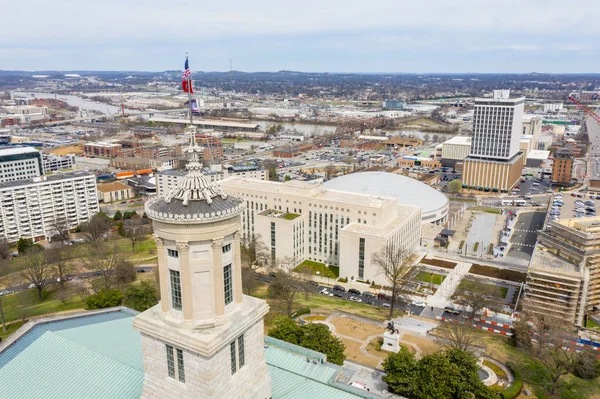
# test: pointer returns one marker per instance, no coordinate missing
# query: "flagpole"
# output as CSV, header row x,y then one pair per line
x,y
189,80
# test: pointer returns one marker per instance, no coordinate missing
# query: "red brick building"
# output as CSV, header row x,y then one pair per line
x,y
101,149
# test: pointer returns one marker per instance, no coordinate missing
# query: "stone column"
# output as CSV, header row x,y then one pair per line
x,y
217,248
163,275
237,268
187,302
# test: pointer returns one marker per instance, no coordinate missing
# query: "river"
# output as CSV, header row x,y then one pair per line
x,y
76,101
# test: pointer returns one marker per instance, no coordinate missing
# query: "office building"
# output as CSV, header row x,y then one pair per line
x,y
495,162
306,221
563,278
455,150
170,178
562,167
19,163
33,208
532,126
393,104
204,322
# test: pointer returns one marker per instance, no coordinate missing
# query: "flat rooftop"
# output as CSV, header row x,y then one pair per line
x,y
44,179
459,140
17,151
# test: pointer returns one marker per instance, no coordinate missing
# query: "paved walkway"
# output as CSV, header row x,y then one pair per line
x,y
442,296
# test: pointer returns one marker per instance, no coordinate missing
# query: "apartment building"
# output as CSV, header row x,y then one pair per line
x,y
495,149
102,149
564,273
17,163
33,208
301,220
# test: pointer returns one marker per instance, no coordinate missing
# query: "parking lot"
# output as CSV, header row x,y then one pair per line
x,y
524,235
574,205
531,186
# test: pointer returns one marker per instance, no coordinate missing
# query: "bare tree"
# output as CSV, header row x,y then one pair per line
x,y
285,286
549,334
3,292
135,230
254,251
4,249
249,281
37,269
392,262
98,225
458,336
61,225
57,256
476,301
103,260
329,171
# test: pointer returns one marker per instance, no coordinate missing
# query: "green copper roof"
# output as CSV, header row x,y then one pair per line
x,y
95,356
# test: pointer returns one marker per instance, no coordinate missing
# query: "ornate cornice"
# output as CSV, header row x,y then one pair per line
x,y
191,218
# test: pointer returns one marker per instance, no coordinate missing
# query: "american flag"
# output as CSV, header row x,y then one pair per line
x,y
184,81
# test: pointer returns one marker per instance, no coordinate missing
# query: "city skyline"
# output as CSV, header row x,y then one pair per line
x,y
386,37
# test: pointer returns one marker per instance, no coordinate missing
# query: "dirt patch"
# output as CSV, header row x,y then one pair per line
x,y
354,353
72,149
354,328
427,346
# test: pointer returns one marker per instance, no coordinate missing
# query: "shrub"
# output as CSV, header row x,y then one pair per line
x,y
515,389
104,299
461,245
587,366
343,280
141,296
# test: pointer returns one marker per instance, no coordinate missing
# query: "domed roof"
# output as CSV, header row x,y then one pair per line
x,y
194,199
406,190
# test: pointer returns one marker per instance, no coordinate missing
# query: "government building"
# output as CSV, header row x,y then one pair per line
x,y
300,221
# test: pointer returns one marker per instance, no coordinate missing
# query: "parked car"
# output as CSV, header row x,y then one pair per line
x,y
418,303
386,305
339,288
369,294
355,299
354,291
337,294
452,310
325,292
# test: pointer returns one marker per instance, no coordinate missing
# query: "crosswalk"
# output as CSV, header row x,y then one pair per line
x,y
522,245
526,231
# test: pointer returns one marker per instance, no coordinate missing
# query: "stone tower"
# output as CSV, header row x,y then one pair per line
x,y
205,338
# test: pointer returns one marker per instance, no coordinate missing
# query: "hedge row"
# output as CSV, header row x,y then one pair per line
x,y
515,389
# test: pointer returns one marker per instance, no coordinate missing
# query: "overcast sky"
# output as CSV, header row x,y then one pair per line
x,y
306,35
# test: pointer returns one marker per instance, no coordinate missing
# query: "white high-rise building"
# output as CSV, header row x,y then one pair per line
x,y
497,126
20,163
205,339
33,208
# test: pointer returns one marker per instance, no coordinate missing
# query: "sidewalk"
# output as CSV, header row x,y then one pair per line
x,y
443,295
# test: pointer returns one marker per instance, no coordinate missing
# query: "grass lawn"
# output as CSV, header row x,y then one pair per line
x,y
25,304
324,304
291,216
11,328
481,288
310,267
591,324
425,277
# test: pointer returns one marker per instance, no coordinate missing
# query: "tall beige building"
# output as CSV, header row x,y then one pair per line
x,y
495,162
564,274
205,338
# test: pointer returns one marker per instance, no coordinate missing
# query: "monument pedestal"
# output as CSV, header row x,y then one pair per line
x,y
391,342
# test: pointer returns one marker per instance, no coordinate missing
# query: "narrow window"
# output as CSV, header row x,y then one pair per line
x,y
175,289
170,361
226,248
241,350
228,284
180,370
232,352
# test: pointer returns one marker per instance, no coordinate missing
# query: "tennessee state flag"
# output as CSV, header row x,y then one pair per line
x,y
186,81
